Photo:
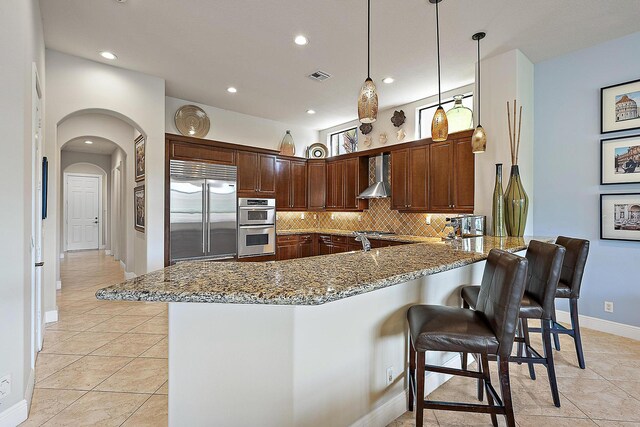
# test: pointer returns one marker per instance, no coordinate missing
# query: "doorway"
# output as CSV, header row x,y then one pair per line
x,y
83,211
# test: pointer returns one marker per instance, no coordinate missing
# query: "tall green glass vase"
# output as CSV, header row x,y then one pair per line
x,y
516,204
497,213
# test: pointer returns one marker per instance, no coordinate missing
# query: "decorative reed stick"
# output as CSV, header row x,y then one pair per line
x,y
514,134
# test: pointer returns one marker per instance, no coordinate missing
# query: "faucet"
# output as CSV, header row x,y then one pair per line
x,y
361,237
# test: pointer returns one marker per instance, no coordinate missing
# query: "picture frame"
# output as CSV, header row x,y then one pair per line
x,y
620,160
620,107
139,150
620,216
139,208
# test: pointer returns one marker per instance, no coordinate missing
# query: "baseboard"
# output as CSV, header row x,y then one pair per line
x,y
14,415
384,414
602,325
58,284
107,252
51,316
123,265
61,255
31,383
101,247
128,275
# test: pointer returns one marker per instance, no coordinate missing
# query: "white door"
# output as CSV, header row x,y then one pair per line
x,y
36,216
83,212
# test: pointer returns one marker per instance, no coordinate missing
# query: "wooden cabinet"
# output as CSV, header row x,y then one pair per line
x,y
410,179
306,245
256,174
324,244
451,177
294,246
346,179
291,184
317,184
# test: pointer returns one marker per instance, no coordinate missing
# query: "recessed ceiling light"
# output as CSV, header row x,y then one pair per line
x,y
311,111
388,80
301,40
108,55
88,142
232,89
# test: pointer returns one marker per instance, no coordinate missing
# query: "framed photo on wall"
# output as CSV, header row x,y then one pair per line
x,y
620,216
620,107
620,160
139,154
139,209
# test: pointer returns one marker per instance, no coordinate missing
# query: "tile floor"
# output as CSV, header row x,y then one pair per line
x,y
105,364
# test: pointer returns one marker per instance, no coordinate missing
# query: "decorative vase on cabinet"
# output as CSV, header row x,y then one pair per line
x,y
497,214
287,147
516,204
459,117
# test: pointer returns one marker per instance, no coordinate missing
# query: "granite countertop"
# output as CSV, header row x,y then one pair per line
x,y
334,232
305,281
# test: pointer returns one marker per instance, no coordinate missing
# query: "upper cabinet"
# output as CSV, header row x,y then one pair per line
x,y
291,184
256,174
410,179
317,184
346,179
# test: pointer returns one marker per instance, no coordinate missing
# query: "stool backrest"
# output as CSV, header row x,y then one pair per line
x,y
574,261
501,291
543,274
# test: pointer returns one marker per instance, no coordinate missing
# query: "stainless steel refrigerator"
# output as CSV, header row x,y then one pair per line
x,y
203,211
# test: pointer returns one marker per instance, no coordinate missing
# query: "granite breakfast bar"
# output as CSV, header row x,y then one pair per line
x,y
317,341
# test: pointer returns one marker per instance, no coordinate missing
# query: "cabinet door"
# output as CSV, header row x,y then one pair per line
x,y
267,174
440,166
298,185
399,179
287,251
283,184
339,248
335,185
418,189
317,184
351,183
324,245
463,176
247,172
305,248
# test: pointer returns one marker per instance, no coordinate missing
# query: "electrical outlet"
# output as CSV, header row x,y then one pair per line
x,y
389,375
608,306
428,220
315,216
5,386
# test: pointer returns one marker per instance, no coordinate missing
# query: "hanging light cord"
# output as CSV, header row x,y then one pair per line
x,y
369,39
478,82
438,50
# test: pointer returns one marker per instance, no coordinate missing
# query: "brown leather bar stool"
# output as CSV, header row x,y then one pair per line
x,y
545,265
489,330
575,260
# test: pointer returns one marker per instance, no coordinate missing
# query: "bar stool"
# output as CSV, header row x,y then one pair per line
x,y
569,287
489,330
545,264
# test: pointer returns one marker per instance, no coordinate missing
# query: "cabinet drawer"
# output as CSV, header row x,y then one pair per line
x,y
305,238
287,238
202,152
325,238
340,239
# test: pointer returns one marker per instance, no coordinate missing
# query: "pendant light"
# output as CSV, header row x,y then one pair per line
x,y
439,124
368,99
479,138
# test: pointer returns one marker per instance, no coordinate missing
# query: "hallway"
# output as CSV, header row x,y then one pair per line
x,y
103,363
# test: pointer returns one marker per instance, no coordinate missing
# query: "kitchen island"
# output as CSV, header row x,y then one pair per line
x,y
318,341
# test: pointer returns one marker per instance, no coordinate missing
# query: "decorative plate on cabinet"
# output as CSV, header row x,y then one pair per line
x,y
318,151
191,120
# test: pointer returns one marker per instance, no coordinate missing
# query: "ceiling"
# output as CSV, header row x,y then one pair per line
x,y
201,47
99,146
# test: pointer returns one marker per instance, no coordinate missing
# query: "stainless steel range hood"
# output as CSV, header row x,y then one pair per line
x,y
380,189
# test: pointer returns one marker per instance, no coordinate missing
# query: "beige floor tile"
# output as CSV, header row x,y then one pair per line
x,y
46,403
164,389
83,343
153,413
78,323
146,309
619,366
109,307
52,338
120,324
601,400
160,350
48,364
85,373
99,409
538,421
157,325
607,423
130,345
631,387
139,376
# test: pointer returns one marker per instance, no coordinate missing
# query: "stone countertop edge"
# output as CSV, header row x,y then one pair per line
x,y
336,232
208,282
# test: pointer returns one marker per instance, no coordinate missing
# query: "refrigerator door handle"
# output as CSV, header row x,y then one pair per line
x,y
208,220
204,218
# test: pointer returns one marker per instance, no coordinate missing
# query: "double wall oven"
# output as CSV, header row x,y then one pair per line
x,y
256,227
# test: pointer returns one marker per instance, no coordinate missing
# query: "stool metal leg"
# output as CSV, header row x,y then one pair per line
x,y
420,373
486,383
556,337
505,388
412,373
479,358
575,325
527,345
548,354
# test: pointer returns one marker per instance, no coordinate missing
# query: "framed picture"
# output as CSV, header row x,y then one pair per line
x,y
620,216
620,107
620,160
139,210
139,149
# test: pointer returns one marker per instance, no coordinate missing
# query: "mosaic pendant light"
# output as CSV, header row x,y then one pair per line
x,y
368,99
479,138
439,124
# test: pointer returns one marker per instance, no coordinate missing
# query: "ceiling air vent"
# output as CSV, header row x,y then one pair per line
x,y
319,76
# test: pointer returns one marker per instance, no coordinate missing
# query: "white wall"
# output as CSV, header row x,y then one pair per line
x,y
237,128
80,85
119,227
567,157
21,44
